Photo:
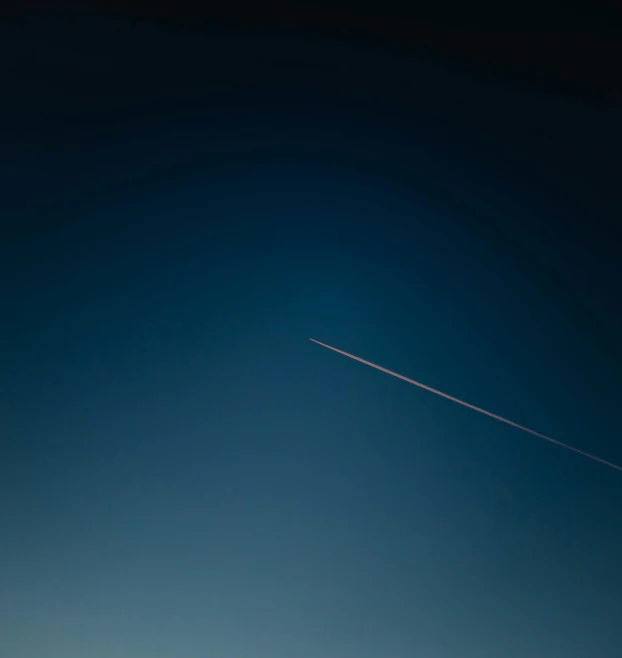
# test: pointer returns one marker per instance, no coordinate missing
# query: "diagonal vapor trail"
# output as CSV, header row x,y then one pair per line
x,y
471,406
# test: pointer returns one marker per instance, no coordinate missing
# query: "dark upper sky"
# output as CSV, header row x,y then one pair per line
x,y
182,472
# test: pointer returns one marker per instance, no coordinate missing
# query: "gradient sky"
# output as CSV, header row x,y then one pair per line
x,y
183,473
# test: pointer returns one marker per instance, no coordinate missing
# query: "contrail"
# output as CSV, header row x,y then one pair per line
x,y
471,406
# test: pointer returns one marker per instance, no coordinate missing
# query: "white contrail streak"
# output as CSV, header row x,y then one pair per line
x,y
471,406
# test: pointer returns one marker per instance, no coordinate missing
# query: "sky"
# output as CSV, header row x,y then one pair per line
x,y
183,472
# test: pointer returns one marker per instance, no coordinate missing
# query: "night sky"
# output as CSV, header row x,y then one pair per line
x,y
182,472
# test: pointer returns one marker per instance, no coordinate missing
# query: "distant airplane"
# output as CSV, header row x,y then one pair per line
x,y
470,406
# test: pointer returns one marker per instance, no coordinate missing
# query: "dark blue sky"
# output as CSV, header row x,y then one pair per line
x,y
183,473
